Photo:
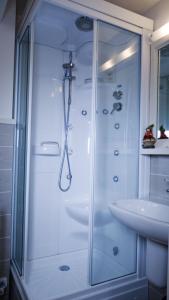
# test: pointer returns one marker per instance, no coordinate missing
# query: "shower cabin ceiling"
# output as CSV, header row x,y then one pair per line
x,y
55,27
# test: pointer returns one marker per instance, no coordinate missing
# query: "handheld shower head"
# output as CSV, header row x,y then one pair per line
x,y
68,66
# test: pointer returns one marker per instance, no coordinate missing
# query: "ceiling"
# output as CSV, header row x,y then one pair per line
x,y
20,5
138,6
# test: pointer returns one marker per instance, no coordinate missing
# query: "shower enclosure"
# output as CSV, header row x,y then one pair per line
x,y
77,150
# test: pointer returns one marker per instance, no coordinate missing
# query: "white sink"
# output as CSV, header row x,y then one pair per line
x,y
79,211
149,219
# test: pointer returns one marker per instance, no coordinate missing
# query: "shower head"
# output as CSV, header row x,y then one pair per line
x,y
84,23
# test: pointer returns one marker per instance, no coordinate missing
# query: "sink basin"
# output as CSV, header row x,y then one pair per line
x,y
79,211
149,219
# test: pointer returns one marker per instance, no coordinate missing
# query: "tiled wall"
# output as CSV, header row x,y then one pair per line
x,y
159,180
6,155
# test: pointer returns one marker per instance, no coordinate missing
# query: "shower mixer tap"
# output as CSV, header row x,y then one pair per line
x,y
68,65
116,107
118,94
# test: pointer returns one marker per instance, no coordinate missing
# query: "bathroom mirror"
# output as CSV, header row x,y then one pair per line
x,y
163,89
159,93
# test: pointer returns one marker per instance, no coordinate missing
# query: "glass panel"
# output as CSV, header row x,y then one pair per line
x,y
116,150
23,72
59,184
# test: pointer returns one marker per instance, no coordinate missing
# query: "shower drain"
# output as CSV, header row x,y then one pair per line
x,y
64,268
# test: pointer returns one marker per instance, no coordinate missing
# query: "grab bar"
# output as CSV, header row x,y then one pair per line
x,y
49,143
47,148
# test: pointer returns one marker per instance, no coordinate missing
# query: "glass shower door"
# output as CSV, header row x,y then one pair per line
x,y
114,246
20,150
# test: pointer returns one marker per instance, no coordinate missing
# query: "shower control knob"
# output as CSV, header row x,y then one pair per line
x,y
116,107
118,95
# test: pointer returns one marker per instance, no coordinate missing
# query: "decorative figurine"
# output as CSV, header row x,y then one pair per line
x,y
148,139
162,133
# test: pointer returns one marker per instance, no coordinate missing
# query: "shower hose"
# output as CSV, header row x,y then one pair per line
x,y
66,113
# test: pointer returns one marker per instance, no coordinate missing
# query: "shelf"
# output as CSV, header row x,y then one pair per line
x,y
161,148
47,148
155,151
7,121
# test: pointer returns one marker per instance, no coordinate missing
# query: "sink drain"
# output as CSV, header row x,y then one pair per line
x,y
64,268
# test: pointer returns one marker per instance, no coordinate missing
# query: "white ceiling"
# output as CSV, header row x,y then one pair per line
x,y
138,6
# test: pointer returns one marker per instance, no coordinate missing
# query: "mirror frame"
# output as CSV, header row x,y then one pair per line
x,y
154,78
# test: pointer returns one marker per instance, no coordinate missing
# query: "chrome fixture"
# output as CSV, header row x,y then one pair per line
x,y
84,23
64,268
66,113
115,179
117,126
116,107
116,152
84,112
118,95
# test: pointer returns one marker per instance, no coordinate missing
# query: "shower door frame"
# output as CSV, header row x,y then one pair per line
x,y
143,173
28,140
112,14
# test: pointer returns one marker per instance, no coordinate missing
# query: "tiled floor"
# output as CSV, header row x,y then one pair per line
x,y
45,280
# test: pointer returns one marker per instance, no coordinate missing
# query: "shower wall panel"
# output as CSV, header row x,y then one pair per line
x,y
46,118
107,240
75,235
52,231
